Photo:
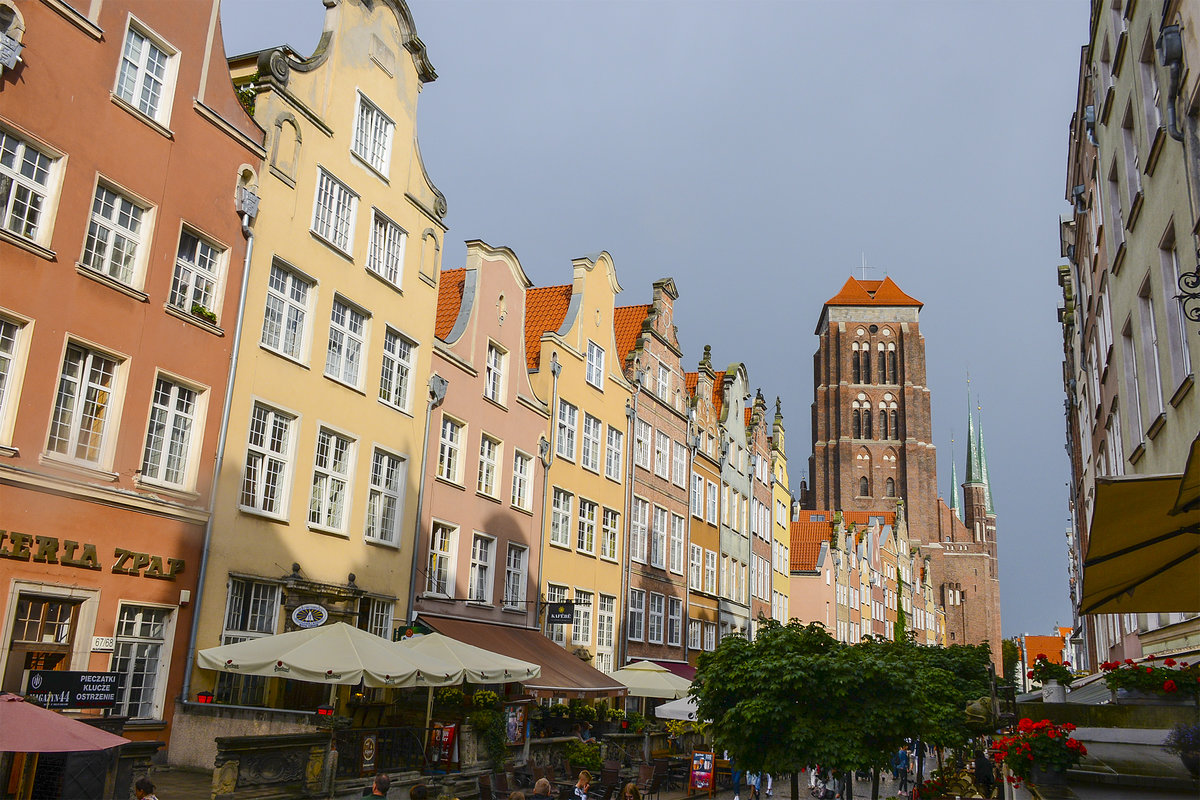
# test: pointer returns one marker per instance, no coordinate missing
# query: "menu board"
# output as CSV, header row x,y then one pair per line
x,y
702,771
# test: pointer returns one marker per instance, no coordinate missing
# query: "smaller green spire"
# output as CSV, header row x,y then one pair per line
x,y
974,466
983,474
954,507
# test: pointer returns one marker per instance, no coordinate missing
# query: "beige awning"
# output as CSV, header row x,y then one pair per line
x,y
1143,554
1189,484
647,679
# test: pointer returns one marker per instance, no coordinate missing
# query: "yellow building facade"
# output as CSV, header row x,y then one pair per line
x,y
317,491
573,364
781,516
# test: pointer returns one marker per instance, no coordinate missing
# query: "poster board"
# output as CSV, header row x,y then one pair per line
x,y
443,744
700,778
516,718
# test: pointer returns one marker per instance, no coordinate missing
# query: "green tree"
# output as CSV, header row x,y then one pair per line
x,y
1010,655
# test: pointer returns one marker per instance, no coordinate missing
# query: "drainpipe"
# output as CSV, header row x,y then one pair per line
x,y
437,393
630,436
1170,54
693,442
546,455
248,204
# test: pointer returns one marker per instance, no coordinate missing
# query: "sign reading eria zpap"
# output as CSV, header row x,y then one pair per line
x,y
69,553
67,689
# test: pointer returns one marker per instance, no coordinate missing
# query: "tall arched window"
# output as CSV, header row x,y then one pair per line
x,y
855,364
864,488
895,424
866,427
892,364
882,366
856,423
883,425
889,488
866,366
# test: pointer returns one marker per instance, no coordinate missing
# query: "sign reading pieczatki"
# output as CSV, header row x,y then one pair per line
x,y
69,689
69,553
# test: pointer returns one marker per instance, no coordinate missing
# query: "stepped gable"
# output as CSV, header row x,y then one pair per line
x,y
545,310
449,302
627,326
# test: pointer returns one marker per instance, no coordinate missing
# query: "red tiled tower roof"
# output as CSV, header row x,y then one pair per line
x,y
627,325
545,309
449,302
857,292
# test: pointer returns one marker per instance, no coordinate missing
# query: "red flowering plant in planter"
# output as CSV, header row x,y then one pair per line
x,y
1046,670
1048,746
1155,676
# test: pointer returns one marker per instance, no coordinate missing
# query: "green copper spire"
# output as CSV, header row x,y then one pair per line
x,y
983,474
954,487
974,465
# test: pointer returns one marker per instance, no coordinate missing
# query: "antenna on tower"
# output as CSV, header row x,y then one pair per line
x,y
864,266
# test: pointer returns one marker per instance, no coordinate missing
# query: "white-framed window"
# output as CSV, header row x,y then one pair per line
x,y
116,230
375,616
554,594
695,566
679,465
479,588
696,502
449,446
560,518
331,476
589,454
385,251
711,511
581,624
609,531
13,353
373,132
693,634
489,462
637,615
26,178
514,576
394,378
642,433
385,497
594,372
198,267
585,541
664,381
251,611
674,621
139,656
568,421
83,405
710,636
657,612
606,620
334,206
146,76
726,501
613,453
662,454
710,571
347,335
658,538
493,374
285,321
439,574
173,413
522,480
639,530
678,526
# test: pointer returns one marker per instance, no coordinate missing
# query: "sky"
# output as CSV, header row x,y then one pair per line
x,y
759,152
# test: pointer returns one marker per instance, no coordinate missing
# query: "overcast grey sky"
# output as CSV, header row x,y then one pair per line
x,y
754,151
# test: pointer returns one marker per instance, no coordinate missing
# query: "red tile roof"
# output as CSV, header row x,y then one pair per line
x,y
450,292
856,292
807,538
627,324
748,414
690,379
718,391
545,309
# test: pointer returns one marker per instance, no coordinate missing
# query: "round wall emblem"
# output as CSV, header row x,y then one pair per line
x,y
310,615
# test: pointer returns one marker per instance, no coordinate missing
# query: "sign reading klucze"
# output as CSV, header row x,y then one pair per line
x,y
64,689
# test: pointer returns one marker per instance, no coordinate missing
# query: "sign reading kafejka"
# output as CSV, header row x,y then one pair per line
x,y
65,689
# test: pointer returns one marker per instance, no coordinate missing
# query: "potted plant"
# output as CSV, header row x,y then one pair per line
x,y
1054,678
1152,680
1185,740
1039,752
198,310
557,719
582,712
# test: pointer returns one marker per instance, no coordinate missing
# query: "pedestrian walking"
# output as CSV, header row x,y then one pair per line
x,y
900,766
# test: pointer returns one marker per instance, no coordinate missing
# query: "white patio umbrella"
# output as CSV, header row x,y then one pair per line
x,y
331,654
647,679
478,665
682,709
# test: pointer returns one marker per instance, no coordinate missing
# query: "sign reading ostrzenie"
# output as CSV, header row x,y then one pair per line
x,y
560,613
67,689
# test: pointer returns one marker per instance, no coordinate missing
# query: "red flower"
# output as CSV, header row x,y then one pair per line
x,y
1040,657
1168,662
1149,670
1150,657
1029,674
1129,661
1169,686
1066,663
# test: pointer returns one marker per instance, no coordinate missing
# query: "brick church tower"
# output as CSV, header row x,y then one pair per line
x,y
871,426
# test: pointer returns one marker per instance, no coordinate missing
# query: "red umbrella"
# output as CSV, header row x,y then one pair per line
x,y
26,728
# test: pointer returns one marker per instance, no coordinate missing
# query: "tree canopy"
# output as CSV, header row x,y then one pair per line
x,y
795,697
